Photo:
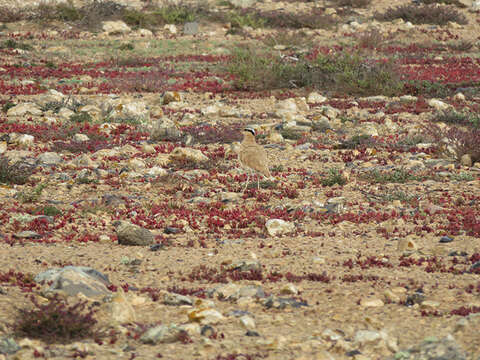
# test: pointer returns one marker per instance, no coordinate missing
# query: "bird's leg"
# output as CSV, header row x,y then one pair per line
x,y
258,183
248,178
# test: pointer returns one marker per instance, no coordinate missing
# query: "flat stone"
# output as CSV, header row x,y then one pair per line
x,y
277,227
190,28
72,280
130,234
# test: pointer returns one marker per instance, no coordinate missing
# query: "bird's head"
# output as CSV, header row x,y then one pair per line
x,y
248,130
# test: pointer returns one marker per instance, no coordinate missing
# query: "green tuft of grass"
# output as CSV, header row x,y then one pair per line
x,y
356,141
399,176
13,44
334,177
48,210
423,14
81,117
290,134
458,118
351,74
352,3
31,195
8,105
126,47
67,12
463,176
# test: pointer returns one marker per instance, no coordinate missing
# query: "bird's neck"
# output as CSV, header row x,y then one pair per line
x,y
248,139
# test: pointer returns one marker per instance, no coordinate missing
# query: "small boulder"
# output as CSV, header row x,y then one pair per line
x,y
188,154
72,280
277,227
130,234
49,158
24,109
165,129
115,27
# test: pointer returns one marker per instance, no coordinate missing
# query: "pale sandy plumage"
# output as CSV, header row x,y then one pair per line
x,y
252,156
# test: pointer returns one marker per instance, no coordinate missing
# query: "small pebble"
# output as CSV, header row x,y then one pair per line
x,y
445,239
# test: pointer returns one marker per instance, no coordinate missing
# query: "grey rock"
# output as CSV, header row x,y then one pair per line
x,y
445,239
190,28
245,265
8,346
282,303
161,335
176,299
49,158
242,3
72,280
165,129
433,349
130,234
24,109
27,234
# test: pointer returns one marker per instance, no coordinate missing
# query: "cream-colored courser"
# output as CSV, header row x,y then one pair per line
x,y
252,156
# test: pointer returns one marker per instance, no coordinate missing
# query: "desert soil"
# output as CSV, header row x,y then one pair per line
x,y
360,256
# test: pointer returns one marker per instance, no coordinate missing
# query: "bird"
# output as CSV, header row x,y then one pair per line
x,y
252,156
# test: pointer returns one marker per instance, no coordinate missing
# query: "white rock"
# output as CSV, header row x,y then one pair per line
x,y
277,227
206,316
210,110
289,289
80,138
459,97
247,322
145,33
171,28
115,27
466,160
164,129
368,128
156,171
136,164
82,160
65,113
121,310
438,104
364,337
51,95
285,109
476,5
24,109
408,98
136,109
49,158
276,137
25,140
3,147
188,154
315,98
373,302
242,3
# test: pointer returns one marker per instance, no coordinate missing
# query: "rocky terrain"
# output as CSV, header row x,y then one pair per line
x,y
124,230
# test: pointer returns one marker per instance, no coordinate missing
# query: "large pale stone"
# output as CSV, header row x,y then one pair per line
x,y
277,227
188,154
72,280
24,109
115,27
